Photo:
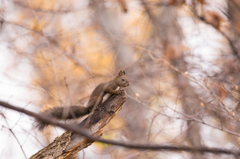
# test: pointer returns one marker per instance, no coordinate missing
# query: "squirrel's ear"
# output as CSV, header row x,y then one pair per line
x,y
120,73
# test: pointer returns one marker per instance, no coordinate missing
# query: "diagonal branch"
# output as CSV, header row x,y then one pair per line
x,y
230,41
69,143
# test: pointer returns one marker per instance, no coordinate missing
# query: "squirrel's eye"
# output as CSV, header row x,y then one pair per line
x,y
123,80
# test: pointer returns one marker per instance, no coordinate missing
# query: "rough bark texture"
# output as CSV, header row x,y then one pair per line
x,y
68,144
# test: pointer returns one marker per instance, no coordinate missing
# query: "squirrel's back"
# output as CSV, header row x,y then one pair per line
x,y
96,98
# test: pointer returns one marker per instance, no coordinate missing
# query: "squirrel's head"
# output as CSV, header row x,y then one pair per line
x,y
121,80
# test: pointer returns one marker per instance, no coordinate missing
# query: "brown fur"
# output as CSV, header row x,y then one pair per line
x,y
96,98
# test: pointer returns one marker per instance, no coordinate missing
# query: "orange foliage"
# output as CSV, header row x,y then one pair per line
x,y
176,2
172,52
213,18
123,5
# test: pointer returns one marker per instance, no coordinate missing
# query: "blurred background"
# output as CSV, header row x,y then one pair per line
x,y
180,56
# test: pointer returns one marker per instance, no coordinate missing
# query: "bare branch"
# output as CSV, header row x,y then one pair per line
x,y
75,128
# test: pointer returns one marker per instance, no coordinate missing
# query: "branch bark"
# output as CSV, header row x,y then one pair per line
x,y
69,143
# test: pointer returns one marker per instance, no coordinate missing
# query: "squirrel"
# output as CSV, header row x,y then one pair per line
x,y
96,98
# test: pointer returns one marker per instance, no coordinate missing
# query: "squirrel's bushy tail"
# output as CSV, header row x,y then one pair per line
x,y
62,113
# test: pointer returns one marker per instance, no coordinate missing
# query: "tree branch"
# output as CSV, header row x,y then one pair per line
x,y
79,130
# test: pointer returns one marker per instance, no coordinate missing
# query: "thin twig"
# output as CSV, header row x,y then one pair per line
x,y
15,137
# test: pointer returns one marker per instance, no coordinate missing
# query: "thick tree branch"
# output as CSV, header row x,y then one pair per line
x,y
81,131
69,143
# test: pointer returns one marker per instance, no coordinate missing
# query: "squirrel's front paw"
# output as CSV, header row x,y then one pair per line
x,y
118,92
